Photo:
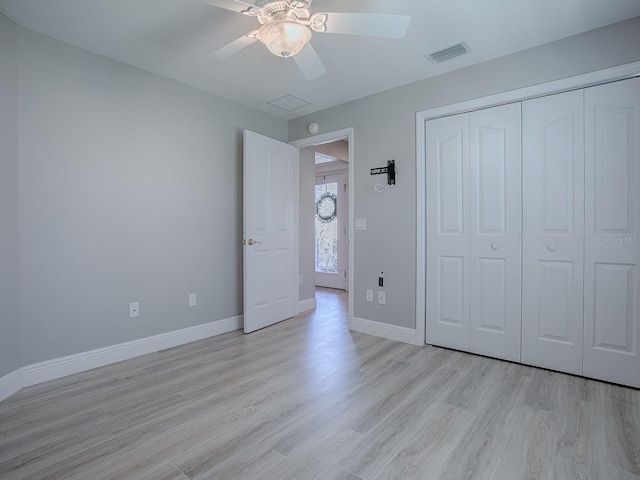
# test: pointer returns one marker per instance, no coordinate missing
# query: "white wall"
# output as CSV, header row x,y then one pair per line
x,y
9,312
384,128
130,190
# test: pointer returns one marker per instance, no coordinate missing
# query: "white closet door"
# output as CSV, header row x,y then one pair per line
x,y
612,238
448,232
553,231
495,228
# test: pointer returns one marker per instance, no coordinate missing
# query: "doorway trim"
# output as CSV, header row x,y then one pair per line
x,y
590,79
335,136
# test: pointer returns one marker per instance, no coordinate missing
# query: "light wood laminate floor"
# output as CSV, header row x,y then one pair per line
x,y
307,399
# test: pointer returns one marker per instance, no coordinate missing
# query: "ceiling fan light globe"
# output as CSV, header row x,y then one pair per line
x,y
284,38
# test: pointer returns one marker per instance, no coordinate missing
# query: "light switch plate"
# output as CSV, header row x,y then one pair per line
x,y
192,299
369,295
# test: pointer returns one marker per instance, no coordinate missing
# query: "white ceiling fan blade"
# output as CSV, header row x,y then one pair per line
x,y
370,24
234,5
231,48
309,63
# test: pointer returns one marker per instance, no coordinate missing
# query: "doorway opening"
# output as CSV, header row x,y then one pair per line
x,y
330,232
325,217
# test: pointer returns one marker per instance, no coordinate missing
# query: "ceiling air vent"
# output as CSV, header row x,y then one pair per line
x,y
448,53
289,103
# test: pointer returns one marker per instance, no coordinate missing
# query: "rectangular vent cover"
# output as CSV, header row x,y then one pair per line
x,y
289,103
449,53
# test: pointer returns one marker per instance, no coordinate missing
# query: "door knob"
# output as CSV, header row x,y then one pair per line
x,y
494,246
251,242
551,247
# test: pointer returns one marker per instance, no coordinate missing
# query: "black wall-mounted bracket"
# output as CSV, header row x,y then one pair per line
x,y
390,170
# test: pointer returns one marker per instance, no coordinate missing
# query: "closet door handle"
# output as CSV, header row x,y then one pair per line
x,y
551,247
494,246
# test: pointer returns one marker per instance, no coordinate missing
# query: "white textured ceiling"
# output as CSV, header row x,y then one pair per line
x,y
174,38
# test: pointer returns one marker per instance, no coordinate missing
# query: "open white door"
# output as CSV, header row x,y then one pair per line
x,y
270,231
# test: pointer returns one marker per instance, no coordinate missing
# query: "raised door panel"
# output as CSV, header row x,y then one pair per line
x,y
612,236
447,232
553,231
495,229
450,291
556,282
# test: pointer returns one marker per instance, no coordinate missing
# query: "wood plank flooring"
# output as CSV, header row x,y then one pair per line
x,y
307,399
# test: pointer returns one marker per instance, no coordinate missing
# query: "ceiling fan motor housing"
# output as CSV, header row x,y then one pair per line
x,y
271,11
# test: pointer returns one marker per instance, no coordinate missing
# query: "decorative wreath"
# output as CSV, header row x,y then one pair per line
x,y
326,207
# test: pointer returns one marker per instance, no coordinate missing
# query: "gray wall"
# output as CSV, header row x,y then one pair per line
x,y
306,222
117,186
384,128
9,309
130,190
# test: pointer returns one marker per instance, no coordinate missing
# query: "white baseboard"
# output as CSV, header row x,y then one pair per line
x,y
384,330
10,384
306,305
80,362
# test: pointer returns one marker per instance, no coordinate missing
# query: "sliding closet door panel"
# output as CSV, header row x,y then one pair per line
x,y
495,228
553,231
448,232
612,238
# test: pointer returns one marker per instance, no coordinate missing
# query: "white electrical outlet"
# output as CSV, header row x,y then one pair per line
x,y
134,310
192,299
300,279
381,298
369,295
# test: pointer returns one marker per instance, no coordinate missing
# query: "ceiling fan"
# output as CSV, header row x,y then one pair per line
x,y
286,27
